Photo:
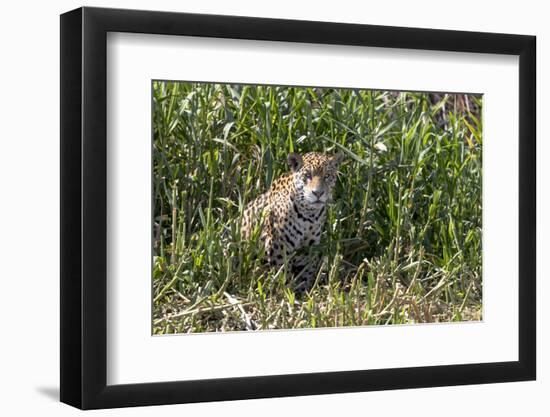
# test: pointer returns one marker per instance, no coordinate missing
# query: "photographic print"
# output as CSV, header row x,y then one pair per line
x,y
381,188
290,207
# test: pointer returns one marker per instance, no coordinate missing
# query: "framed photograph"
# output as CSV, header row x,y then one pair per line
x,y
256,208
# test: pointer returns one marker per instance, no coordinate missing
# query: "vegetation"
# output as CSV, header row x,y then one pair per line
x,y
402,243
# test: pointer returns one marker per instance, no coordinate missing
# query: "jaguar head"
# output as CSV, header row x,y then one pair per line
x,y
314,176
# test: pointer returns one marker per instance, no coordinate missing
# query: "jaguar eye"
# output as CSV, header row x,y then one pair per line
x,y
327,177
307,176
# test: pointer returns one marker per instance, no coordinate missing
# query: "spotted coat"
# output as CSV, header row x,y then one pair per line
x,y
290,216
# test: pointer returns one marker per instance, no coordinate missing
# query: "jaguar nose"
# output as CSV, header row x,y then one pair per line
x,y
318,193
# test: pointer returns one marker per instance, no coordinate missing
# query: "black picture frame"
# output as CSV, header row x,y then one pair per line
x,y
84,207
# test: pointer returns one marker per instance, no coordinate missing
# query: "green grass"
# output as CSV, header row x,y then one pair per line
x,y
402,242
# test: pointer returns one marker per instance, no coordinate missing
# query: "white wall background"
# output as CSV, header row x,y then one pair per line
x,y
29,166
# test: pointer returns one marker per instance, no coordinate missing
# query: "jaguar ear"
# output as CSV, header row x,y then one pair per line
x,y
337,158
295,161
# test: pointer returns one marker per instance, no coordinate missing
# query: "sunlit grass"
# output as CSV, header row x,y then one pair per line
x,y
402,243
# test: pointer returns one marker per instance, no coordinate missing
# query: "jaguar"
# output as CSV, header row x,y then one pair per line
x,y
290,216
